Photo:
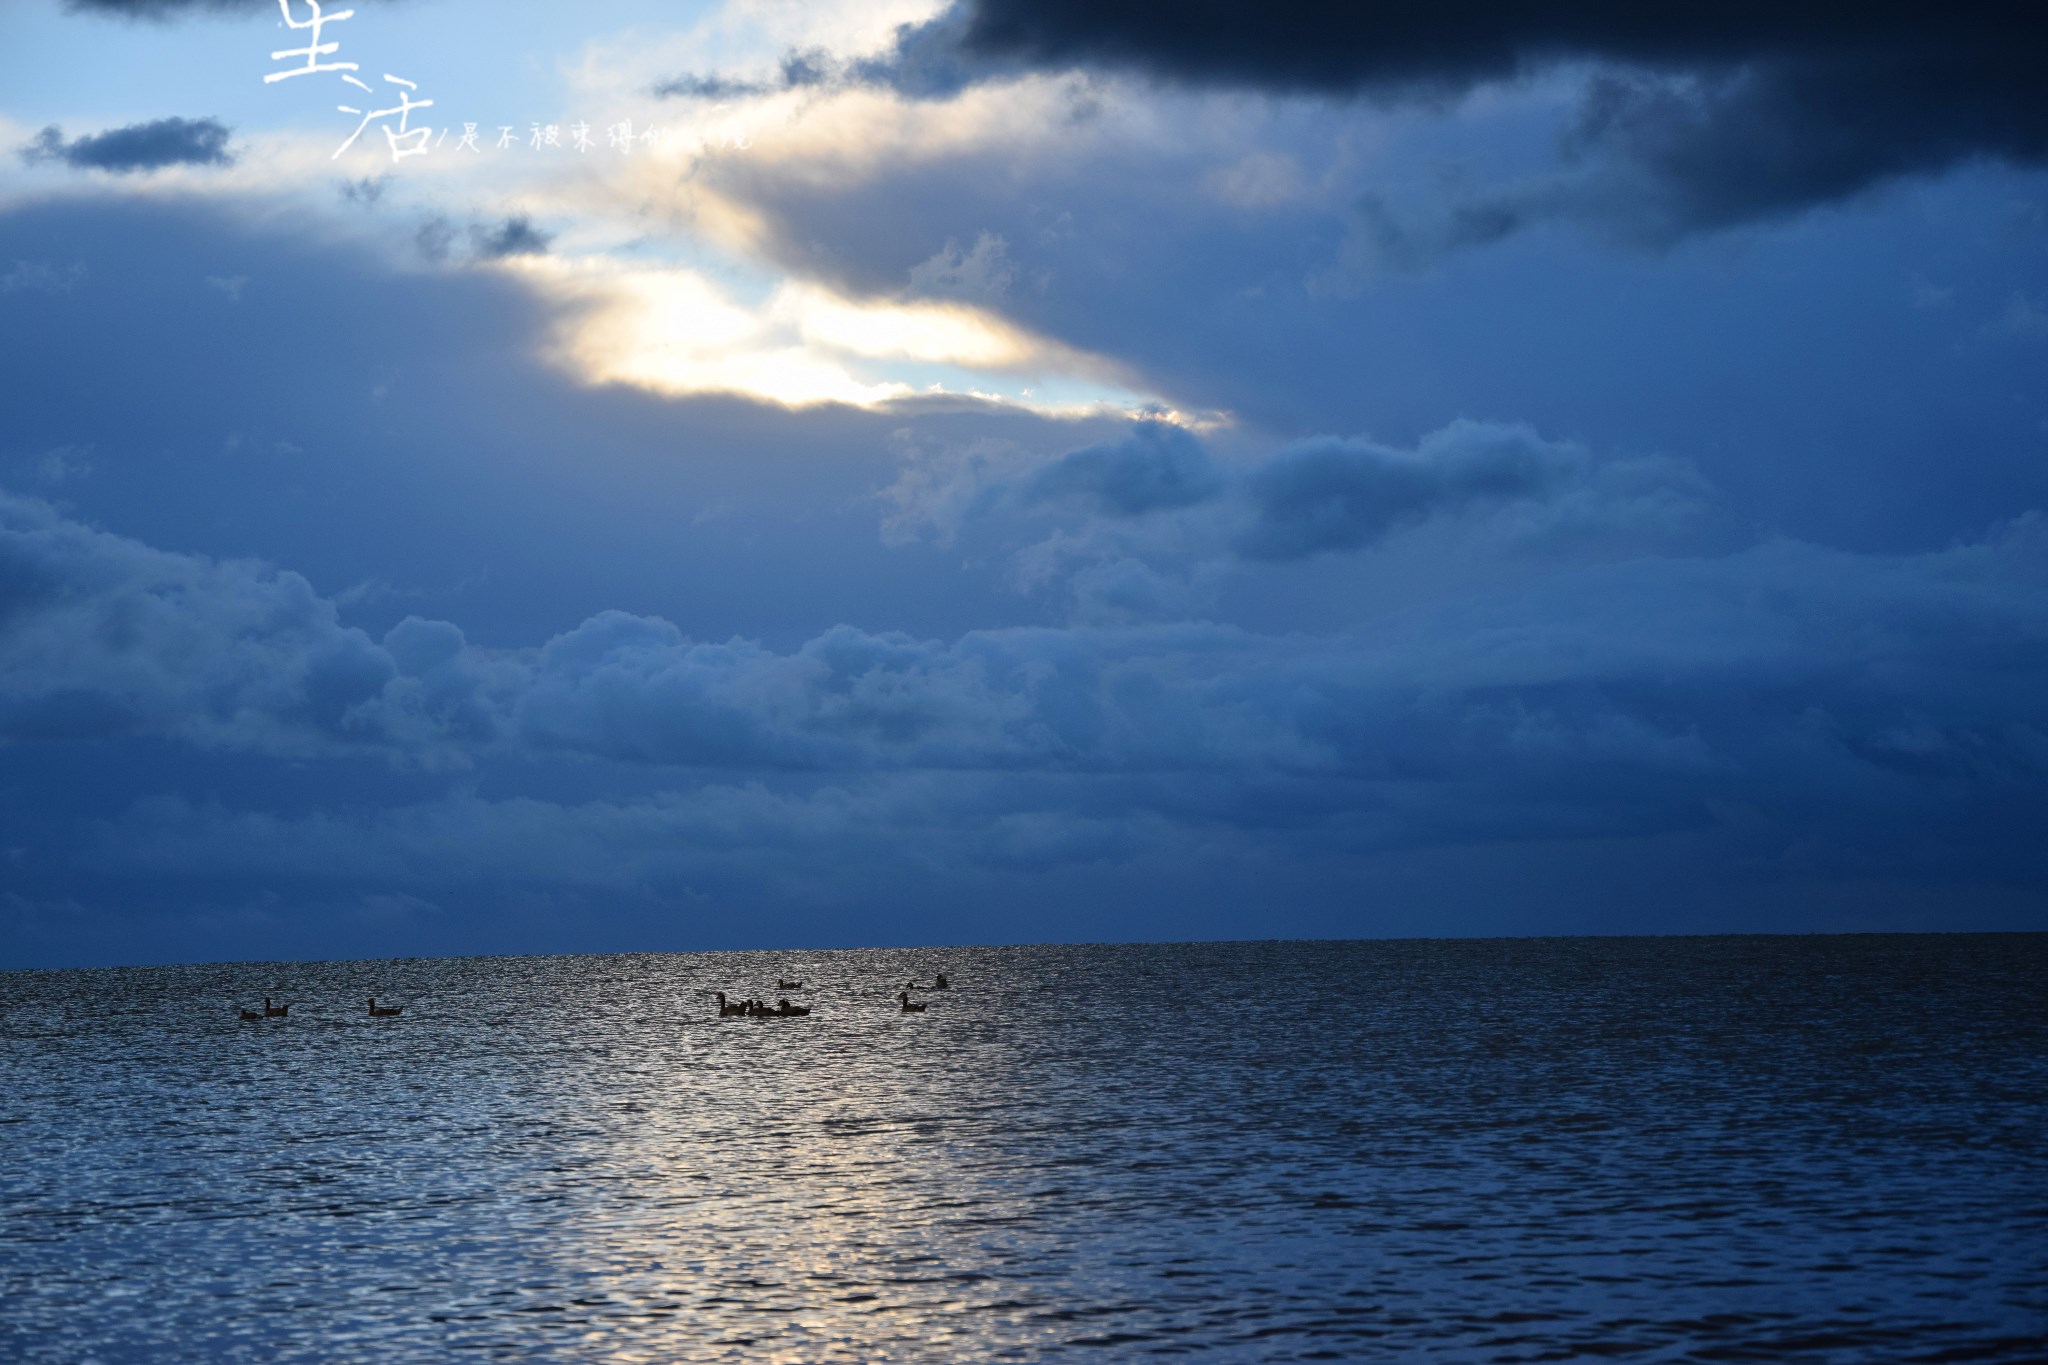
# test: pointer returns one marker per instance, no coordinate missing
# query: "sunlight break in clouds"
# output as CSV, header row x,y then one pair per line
x,y
674,330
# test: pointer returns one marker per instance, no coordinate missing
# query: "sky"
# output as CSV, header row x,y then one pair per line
x,y
644,475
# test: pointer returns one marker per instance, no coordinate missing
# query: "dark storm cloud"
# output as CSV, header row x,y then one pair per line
x,y
1719,113
1303,45
138,147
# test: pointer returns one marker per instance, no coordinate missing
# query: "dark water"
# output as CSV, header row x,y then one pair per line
x,y
1782,1149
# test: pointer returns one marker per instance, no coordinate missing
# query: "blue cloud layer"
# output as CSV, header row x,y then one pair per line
x,y
1821,718
359,629
1668,674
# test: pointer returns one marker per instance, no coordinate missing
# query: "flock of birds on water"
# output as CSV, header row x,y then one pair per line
x,y
782,1009
270,1011
727,1009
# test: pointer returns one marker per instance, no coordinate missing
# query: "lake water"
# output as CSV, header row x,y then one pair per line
x,y
1719,1149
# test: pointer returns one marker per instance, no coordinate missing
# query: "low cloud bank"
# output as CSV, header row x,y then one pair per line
x,y
1782,667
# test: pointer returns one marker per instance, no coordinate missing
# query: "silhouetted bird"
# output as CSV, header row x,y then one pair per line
x,y
378,1011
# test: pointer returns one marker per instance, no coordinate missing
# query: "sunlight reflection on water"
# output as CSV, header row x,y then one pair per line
x,y
1813,1148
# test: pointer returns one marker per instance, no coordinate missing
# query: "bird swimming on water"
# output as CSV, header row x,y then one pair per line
x,y
903,998
378,1011
271,1011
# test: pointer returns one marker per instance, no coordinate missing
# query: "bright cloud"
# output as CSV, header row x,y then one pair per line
x,y
676,330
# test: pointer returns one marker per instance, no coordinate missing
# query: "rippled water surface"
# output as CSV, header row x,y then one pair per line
x,y
1715,1149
